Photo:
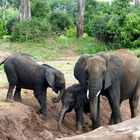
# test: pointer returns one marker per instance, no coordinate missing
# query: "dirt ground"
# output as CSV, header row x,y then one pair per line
x,y
38,124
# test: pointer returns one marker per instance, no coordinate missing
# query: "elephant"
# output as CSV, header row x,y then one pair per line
x,y
74,97
114,74
23,72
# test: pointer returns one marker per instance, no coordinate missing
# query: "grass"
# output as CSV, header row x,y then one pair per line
x,y
47,49
53,48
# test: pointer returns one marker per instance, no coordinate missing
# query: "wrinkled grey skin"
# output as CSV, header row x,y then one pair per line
x,y
23,72
74,97
116,74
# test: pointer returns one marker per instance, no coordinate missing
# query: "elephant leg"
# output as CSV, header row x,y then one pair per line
x,y
79,120
41,97
17,94
114,101
61,116
9,97
111,121
133,102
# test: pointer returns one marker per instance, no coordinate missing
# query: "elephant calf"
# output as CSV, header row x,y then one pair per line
x,y
23,72
74,97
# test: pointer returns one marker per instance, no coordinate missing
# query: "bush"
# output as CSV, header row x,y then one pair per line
x,y
117,28
60,21
34,29
130,32
2,29
39,8
71,32
106,27
11,23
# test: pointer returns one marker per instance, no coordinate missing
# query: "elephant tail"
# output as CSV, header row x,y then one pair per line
x,y
4,60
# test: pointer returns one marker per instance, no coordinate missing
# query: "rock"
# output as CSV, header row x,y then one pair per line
x,y
126,130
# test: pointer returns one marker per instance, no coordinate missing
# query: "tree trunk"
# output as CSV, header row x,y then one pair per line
x,y
80,17
24,9
4,5
137,2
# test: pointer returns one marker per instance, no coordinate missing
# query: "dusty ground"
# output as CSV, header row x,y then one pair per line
x,y
38,127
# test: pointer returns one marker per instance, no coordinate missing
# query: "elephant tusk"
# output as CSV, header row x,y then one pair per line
x,y
98,93
88,93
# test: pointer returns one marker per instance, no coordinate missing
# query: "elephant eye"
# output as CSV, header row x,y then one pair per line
x,y
103,74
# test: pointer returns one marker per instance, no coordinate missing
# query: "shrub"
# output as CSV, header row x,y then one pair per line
x,y
39,8
106,27
11,23
2,29
130,32
34,29
71,32
116,24
60,21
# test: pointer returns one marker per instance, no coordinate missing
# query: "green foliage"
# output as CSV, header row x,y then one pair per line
x,y
71,32
60,21
68,6
90,45
34,29
39,8
11,23
130,33
116,24
2,29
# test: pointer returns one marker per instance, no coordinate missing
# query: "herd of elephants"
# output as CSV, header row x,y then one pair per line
x,y
114,74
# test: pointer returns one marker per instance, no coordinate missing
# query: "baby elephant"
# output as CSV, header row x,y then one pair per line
x,y
74,97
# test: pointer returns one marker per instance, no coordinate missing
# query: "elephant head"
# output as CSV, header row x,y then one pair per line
x,y
56,80
99,73
80,71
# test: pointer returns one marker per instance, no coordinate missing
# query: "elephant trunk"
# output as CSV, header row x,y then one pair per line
x,y
94,114
56,100
94,91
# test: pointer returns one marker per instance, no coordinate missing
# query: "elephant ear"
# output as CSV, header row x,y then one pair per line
x,y
80,72
114,70
50,77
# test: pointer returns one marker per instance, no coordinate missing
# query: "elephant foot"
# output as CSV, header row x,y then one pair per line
x,y
17,99
9,100
59,126
79,131
111,123
42,114
79,128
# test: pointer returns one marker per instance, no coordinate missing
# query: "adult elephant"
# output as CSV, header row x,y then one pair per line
x,y
116,74
23,72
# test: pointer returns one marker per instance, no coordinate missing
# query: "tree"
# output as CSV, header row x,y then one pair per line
x,y
80,17
137,2
24,9
4,6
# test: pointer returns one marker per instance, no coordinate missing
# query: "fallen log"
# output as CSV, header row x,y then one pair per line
x,y
127,130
